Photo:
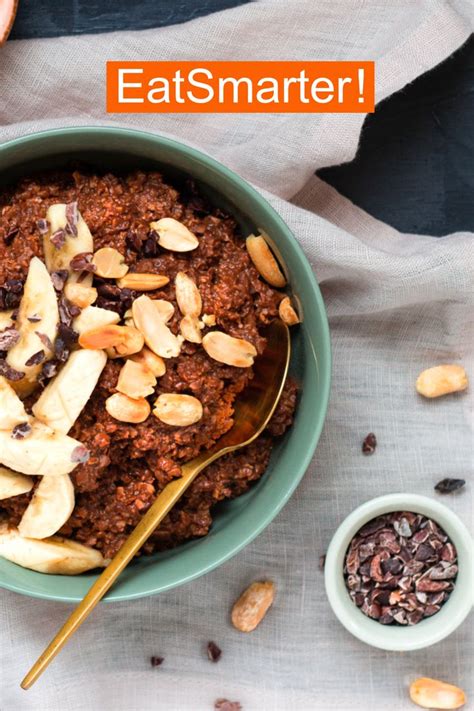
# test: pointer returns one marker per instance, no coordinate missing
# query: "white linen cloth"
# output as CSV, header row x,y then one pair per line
x,y
397,304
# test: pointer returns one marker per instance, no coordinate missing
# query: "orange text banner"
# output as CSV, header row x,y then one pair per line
x,y
240,87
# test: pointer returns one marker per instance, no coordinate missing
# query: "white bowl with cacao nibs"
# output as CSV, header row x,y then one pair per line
x,y
399,572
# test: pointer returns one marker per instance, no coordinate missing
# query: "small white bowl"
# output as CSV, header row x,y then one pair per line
x,y
431,629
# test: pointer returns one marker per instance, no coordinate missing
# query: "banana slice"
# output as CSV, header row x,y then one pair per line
x,y
13,484
72,244
41,452
94,317
12,410
39,298
55,555
6,320
62,401
50,507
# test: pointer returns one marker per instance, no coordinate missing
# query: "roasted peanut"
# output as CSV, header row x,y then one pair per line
x,y
164,309
229,350
173,235
187,295
154,362
142,281
191,329
80,294
136,380
287,313
178,410
124,340
433,694
109,263
209,320
441,380
156,333
264,261
127,409
252,606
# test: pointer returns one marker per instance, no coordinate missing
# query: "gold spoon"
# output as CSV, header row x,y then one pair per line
x,y
253,409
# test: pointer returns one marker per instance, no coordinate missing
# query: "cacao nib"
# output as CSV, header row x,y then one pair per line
x,y
133,242
36,358
10,373
43,226
110,305
446,486
15,286
424,552
9,337
34,319
213,652
80,454
399,568
10,294
45,340
67,311
322,561
109,291
226,705
156,661
392,565
49,370
150,246
59,279
61,352
58,239
82,262
67,334
21,431
72,217
369,444
10,236
402,527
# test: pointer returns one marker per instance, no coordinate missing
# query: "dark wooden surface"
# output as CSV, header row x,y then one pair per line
x,y
415,164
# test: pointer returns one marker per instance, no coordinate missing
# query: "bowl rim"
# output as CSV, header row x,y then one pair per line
x,y
430,630
325,384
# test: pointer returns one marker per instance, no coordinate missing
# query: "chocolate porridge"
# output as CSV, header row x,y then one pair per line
x,y
129,463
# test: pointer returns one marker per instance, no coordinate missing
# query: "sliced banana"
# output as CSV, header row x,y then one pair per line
x,y
66,395
55,555
38,298
12,410
94,317
57,259
42,452
13,484
50,507
6,320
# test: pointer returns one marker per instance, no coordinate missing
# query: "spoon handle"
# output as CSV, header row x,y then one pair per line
x,y
161,506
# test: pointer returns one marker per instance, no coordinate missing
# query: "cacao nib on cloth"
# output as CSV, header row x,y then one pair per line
x,y
213,652
369,444
392,583
446,486
156,661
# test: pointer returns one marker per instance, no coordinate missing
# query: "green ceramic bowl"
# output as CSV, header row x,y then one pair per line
x,y
237,522
430,630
